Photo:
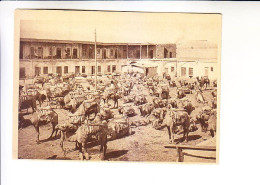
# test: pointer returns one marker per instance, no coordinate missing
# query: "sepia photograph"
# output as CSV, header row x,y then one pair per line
x,y
117,86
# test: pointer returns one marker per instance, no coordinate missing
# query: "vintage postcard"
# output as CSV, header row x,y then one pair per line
x,y
117,86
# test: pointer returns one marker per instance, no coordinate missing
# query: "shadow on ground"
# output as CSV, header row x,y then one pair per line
x,y
116,154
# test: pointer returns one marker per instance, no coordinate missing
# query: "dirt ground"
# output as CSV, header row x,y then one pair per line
x,y
144,144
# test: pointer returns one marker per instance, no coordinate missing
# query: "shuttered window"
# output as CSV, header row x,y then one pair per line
x,y
66,69
22,72
190,71
45,70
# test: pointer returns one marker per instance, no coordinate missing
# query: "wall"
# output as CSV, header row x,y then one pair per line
x,y
169,47
52,65
197,50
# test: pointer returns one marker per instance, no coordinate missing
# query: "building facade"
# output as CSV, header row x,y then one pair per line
x,y
42,56
39,56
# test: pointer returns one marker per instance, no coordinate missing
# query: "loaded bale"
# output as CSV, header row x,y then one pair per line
x,y
129,99
173,102
164,91
157,102
193,126
215,83
159,114
139,122
172,83
22,122
118,127
120,109
60,102
146,109
214,103
203,117
106,113
129,111
180,93
164,103
139,100
187,105
212,123
152,120
214,93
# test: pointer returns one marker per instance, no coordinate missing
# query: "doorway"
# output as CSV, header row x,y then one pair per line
x,y
58,53
59,70
37,71
77,69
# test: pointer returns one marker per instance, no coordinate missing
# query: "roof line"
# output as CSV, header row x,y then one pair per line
x,y
89,42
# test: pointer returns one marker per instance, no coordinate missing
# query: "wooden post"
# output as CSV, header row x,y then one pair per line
x,y
140,51
156,51
176,69
96,60
180,156
127,51
51,51
147,52
71,52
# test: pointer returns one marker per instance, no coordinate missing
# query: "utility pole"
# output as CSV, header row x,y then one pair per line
x,y
96,59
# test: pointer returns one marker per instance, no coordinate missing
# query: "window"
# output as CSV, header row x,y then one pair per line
x,y
137,53
66,69
37,71
104,53
67,53
75,53
40,52
59,70
165,53
170,54
91,52
111,52
32,52
113,68
191,72
58,53
92,70
45,70
151,54
108,69
99,69
50,51
83,69
172,69
98,51
22,72
84,50
211,68
116,53
77,69
183,71
21,51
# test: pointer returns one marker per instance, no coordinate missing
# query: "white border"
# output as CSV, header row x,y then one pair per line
x,y
239,122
